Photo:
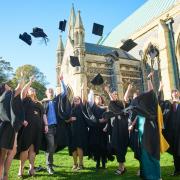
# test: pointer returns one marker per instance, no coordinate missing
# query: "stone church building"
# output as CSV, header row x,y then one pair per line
x,y
117,71
155,25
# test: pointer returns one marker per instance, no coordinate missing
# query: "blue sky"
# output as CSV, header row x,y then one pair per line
x,y
18,16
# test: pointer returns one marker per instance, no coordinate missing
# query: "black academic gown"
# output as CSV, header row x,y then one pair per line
x,y
119,129
78,134
32,133
97,137
12,116
172,131
146,106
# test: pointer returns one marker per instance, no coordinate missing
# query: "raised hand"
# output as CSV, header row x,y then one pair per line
x,y
130,86
25,123
106,88
82,87
151,74
61,77
161,85
22,74
32,79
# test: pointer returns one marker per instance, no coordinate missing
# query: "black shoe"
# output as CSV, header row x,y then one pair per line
x,y
103,166
176,173
50,170
97,166
40,168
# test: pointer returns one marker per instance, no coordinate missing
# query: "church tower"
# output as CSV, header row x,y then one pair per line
x,y
79,50
79,44
71,24
59,56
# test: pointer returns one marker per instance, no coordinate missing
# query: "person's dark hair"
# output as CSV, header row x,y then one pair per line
x,y
81,103
2,88
137,92
102,99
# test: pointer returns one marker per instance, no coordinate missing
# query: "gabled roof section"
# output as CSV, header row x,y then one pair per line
x,y
97,49
142,16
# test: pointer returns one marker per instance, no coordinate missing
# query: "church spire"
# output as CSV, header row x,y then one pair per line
x,y
60,46
79,24
71,23
59,57
79,32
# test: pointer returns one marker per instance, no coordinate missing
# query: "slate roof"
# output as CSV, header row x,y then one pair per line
x,y
141,17
97,49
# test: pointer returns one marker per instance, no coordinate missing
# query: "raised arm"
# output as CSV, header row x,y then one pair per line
x,y
91,98
149,81
26,87
19,87
160,92
106,88
82,94
126,95
63,87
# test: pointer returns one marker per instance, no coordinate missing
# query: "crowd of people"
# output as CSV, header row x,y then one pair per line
x,y
145,122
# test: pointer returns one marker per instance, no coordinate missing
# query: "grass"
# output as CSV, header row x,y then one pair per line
x,y
64,163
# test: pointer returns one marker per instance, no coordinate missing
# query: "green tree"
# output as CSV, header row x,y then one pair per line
x,y
28,71
5,70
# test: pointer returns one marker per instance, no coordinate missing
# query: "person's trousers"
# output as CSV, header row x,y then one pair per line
x,y
101,158
176,163
50,144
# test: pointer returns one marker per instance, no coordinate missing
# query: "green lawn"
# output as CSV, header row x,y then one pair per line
x,y
64,161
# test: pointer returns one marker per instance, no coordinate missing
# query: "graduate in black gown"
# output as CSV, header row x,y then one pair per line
x,y
146,120
120,134
57,110
131,100
11,120
29,137
78,134
172,128
97,137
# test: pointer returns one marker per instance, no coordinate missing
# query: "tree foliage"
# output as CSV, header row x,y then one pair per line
x,y
28,71
5,70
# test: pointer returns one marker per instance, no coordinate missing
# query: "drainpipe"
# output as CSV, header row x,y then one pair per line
x,y
173,58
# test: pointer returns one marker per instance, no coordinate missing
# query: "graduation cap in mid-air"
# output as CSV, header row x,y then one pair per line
x,y
38,32
128,45
97,29
26,38
153,51
97,80
74,61
62,25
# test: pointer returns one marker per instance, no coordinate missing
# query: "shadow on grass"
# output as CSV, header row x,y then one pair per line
x,y
106,174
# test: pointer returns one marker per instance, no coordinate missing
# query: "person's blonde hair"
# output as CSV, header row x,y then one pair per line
x,y
35,96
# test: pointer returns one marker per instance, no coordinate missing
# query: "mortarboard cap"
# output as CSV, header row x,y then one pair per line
x,y
38,32
97,80
74,61
153,51
97,29
128,45
62,25
26,38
